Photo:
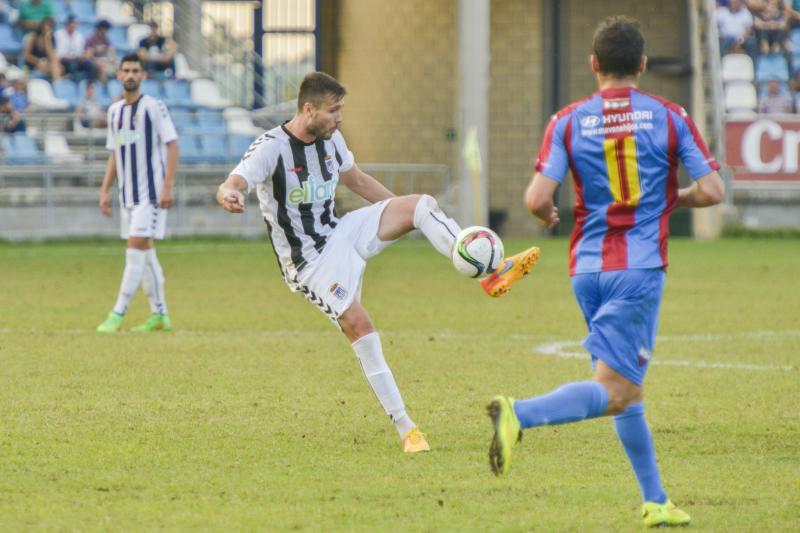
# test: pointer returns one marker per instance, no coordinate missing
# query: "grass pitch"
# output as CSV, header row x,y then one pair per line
x,y
254,415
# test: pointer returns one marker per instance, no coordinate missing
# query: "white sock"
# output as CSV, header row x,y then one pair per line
x,y
131,277
440,230
370,355
153,282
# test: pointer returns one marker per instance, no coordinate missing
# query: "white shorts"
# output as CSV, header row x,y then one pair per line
x,y
333,281
143,220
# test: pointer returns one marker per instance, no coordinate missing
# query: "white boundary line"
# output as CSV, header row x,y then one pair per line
x,y
563,349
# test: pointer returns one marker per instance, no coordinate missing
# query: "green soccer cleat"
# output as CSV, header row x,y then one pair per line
x,y
506,433
663,514
111,324
156,322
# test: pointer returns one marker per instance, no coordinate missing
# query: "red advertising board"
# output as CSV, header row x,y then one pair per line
x,y
763,149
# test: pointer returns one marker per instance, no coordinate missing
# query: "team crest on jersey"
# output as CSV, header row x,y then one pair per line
x,y
643,356
616,103
329,163
338,291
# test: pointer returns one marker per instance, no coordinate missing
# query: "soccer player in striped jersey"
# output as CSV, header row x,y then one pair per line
x,y
295,168
143,160
622,146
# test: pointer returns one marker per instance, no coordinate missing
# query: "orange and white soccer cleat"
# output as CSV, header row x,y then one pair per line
x,y
414,442
512,270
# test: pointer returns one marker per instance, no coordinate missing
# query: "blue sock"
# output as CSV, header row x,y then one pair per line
x,y
633,431
568,403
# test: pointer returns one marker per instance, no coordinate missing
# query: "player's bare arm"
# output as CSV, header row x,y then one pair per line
x,y
173,153
539,200
364,185
230,194
704,192
108,180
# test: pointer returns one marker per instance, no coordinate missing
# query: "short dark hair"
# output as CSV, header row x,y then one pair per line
x,y
619,46
103,24
131,57
316,86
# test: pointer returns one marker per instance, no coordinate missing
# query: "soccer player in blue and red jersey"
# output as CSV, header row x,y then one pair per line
x,y
622,146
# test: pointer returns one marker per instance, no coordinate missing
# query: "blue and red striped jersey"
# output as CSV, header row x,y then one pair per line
x,y
622,146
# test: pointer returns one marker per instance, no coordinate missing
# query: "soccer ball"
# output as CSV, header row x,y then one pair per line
x,y
478,251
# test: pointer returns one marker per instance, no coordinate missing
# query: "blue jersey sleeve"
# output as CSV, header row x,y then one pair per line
x,y
553,159
692,150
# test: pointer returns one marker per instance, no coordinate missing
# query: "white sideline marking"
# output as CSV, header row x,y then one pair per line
x,y
564,349
571,349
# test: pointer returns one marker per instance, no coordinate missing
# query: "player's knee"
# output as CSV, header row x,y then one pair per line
x,y
355,325
620,396
423,204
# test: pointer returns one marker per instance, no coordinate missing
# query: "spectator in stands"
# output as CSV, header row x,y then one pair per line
x,y
7,12
40,51
775,101
158,53
33,12
10,119
736,29
772,26
71,51
17,93
89,111
3,84
100,52
793,11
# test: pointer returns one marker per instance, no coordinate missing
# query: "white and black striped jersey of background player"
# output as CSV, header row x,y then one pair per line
x,y
138,134
296,185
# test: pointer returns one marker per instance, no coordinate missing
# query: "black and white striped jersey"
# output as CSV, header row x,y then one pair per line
x,y
296,186
138,134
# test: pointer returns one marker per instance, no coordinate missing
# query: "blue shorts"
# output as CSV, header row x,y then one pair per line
x,y
621,311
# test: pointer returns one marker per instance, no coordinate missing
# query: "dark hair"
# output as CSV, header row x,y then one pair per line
x,y
103,24
619,46
131,57
316,86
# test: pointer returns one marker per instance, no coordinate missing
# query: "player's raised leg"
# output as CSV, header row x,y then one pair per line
x,y
153,282
423,212
135,259
366,342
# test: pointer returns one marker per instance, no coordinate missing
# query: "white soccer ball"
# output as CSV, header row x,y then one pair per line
x,y
478,251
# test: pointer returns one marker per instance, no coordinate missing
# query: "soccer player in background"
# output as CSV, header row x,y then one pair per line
x,y
144,159
295,168
623,146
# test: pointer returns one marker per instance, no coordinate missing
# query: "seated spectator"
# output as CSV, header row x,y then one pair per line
x,y
89,111
33,12
17,93
7,12
775,101
158,53
100,52
40,51
10,119
736,29
772,27
70,49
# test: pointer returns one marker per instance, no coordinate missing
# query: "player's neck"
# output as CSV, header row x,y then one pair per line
x,y
296,128
610,82
131,97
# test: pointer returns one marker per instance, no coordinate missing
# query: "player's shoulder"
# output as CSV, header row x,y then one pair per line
x,y
116,105
574,108
657,101
269,141
154,104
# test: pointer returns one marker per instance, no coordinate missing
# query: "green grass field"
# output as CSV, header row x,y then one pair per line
x,y
254,415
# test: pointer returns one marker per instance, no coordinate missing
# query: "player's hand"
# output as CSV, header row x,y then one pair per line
x,y
105,204
233,202
167,199
553,220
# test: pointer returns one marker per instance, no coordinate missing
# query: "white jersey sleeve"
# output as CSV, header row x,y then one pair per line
x,y
110,129
348,160
259,161
163,123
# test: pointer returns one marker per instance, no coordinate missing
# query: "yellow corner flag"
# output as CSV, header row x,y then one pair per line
x,y
472,156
